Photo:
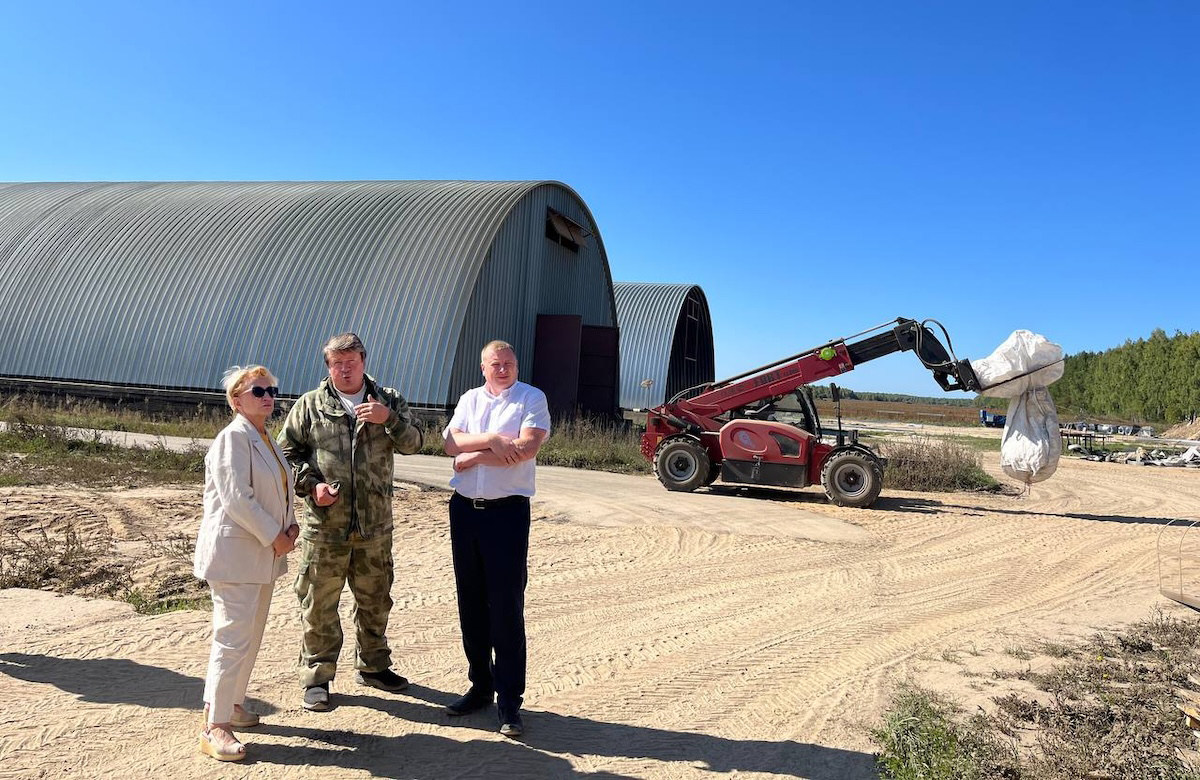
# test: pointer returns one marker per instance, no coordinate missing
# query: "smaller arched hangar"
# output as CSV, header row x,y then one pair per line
x,y
666,341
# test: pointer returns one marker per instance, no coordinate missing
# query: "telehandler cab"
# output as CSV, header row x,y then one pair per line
x,y
727,430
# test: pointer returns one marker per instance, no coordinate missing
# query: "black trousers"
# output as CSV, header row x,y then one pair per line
x,y
490,547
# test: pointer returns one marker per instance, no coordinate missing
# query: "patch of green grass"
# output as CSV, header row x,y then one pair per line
x,y
69,562
979,443
36,452
920,739
589,444
1107,710
177,547
1056,649
65,563
934,465
202,422
148,604
431,436
881,439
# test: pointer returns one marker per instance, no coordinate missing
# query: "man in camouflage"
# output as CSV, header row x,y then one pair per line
x,y
340,438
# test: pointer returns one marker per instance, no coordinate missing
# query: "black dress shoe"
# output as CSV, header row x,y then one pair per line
x,y
471,701
387,680
510,722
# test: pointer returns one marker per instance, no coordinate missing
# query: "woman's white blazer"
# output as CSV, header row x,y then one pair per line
x,y
246,505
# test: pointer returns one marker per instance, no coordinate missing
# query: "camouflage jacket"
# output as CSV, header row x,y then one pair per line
x,y
317,438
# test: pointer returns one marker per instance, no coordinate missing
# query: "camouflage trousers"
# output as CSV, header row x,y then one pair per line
x,y
325,567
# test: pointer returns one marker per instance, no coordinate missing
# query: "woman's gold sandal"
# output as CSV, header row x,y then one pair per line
x,y
230,751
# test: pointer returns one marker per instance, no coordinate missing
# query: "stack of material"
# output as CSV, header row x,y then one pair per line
x,y
1021,369
1140,457
1189,458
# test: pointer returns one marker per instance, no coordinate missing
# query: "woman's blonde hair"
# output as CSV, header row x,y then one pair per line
x,y
238,378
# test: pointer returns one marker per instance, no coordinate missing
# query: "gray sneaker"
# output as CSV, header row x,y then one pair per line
x,y
316,697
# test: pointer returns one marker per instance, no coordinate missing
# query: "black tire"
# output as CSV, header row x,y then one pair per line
x,y
681,464
852,478
714,471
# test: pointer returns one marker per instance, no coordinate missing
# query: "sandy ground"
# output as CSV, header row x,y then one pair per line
x,y
669,636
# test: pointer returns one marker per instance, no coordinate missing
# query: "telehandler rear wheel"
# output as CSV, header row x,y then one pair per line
x,y
852,478
681,464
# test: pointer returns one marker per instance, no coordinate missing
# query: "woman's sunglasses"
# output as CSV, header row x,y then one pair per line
x,y
259,392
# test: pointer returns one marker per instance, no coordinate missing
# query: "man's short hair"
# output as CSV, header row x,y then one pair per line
x,y
238,378
495,346
344,342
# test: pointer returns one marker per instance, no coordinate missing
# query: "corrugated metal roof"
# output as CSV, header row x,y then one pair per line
x,y
168,283
666,341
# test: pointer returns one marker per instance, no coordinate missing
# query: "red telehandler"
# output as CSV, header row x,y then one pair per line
x,y
727,430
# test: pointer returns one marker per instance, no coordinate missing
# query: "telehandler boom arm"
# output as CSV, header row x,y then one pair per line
x,y
829,360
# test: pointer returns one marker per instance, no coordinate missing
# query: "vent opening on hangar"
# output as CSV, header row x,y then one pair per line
x,y
564,231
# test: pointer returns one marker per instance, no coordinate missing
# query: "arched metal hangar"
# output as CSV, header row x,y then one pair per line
x,y
165,284
666,341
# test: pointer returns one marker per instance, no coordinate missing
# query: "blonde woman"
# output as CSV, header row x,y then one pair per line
x,y
248,529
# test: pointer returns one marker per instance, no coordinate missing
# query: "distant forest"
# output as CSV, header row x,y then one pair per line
x,y
1148,380
1154,380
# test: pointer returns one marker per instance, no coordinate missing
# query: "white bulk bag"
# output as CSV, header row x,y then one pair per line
x,y
1024,360
1020,369
1031,445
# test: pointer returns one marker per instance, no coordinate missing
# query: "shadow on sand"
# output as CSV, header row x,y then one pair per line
x,y
539,754
928,506
811,495
115,681
1073,515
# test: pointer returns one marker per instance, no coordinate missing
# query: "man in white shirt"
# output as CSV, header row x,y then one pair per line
x,y
494,436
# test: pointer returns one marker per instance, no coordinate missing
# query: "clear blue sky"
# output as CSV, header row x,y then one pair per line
x,y
817,168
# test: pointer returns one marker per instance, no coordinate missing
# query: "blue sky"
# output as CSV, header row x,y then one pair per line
x,y
816,168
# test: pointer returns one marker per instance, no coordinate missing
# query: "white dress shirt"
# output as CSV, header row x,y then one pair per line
x,y
478,411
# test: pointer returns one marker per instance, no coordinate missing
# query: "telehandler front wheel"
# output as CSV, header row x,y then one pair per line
x,y
852,478
681,464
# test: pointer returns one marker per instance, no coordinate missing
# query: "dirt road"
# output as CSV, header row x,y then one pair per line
x,y
600,498
670,636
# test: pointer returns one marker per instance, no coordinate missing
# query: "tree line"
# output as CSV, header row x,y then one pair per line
x,y
1148,380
